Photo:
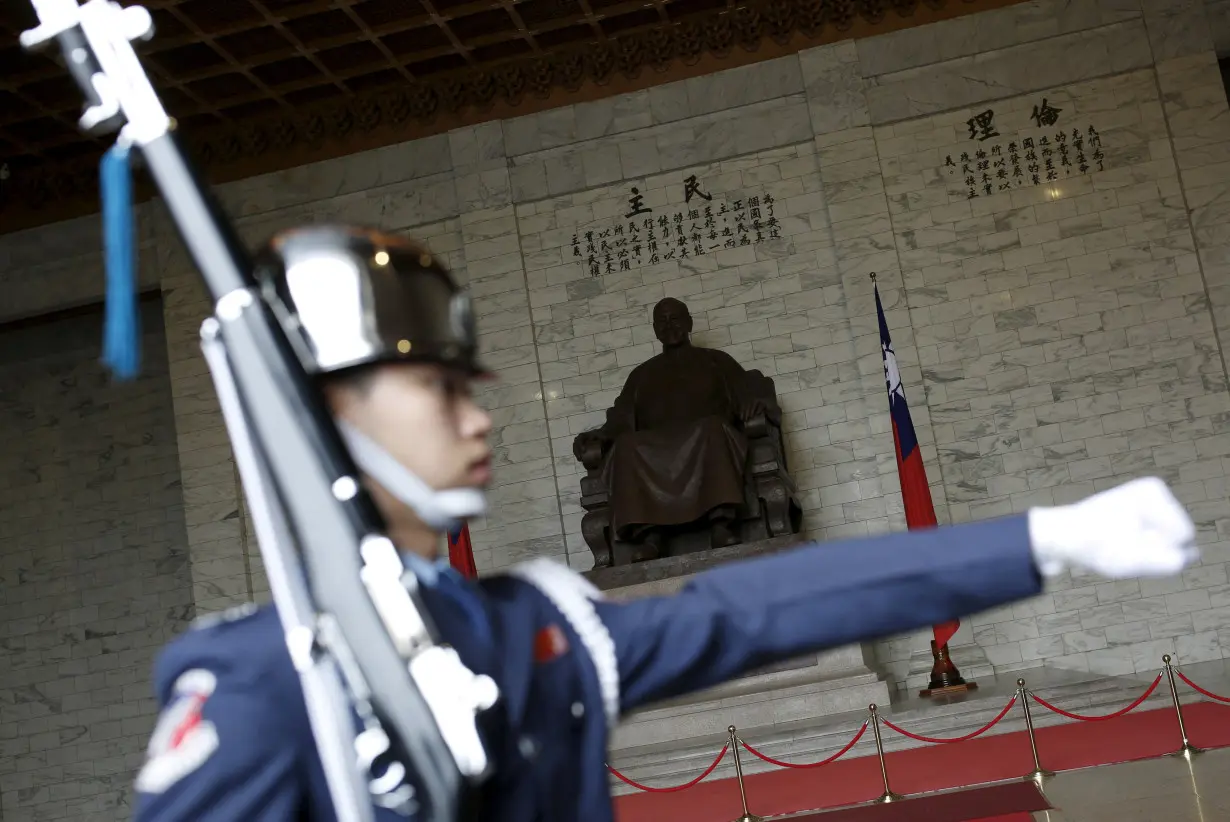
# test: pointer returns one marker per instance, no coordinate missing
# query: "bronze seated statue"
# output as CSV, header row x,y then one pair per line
x,y
691,456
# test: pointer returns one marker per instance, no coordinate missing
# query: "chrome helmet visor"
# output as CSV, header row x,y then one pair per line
x,y
353,297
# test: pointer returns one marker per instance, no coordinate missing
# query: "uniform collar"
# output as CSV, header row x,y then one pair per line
x,y
427,571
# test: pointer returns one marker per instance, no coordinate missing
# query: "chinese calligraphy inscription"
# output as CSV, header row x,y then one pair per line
x,y
1031,158
644,237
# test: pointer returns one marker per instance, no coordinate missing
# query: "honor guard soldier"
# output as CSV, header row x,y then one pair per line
x,y
392,340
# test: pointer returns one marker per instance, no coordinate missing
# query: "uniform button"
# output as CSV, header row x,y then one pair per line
x,y
528,747
578,710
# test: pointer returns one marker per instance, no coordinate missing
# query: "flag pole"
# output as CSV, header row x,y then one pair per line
x,y
946,679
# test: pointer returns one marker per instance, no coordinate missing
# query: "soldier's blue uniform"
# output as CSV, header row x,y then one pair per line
x,y
235,743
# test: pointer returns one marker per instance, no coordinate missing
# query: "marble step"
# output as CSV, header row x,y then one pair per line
x,y
815,739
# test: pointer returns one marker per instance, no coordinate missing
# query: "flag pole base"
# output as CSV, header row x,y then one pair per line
x,y
888,797
946,680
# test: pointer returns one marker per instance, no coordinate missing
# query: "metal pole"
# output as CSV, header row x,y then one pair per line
x,y
1039,773
748,816
888,795
1188,750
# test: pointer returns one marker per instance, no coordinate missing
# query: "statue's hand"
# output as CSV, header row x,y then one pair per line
x,y
586,441
750,409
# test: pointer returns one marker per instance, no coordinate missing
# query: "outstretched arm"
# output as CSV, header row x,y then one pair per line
x,y
744,615
747,614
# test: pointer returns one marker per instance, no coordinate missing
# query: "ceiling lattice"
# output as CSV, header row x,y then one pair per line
x,y
224,61
262,84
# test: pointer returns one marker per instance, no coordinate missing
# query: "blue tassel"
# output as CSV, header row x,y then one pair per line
x,y
122,332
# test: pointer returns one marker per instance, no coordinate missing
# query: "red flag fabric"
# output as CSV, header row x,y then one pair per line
x,y
461,552
919,510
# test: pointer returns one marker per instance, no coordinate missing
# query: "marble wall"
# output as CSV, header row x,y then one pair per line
x,y
1054,338
94,573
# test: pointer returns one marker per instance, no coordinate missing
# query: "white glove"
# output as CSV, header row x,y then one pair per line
x,y
1135,530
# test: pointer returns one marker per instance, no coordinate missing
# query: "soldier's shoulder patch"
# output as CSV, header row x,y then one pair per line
x,y
232,614
183,739
550,643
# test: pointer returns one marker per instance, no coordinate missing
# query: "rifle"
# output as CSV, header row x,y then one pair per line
x,y
356,627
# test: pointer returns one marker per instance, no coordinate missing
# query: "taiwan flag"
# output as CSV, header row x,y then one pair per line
x,y
919,510
461,552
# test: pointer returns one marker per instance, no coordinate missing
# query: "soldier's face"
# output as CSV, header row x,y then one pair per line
x,y
426,418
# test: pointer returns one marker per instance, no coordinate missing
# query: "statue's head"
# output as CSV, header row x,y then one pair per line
x,y
672,322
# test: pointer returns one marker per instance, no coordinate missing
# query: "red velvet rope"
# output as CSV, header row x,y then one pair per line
x,y
832,758
1118,713
684,787
938,741
1200,690
930,739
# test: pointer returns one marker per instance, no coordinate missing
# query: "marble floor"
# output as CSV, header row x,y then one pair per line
x,y
1171,789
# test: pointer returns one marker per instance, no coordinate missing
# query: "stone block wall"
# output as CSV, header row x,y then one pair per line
x,y
94,566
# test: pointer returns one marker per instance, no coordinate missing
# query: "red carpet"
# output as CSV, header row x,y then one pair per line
x,y
1008,800
1141,735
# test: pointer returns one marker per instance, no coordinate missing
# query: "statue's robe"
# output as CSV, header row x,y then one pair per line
x,y
677,453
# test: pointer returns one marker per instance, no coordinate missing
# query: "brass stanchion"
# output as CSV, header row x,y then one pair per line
x,y
888,795
1188,750
1039,774
748,816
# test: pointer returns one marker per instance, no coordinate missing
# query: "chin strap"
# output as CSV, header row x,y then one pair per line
x,y
443,510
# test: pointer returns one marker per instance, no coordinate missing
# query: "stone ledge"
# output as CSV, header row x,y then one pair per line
x,y
666,575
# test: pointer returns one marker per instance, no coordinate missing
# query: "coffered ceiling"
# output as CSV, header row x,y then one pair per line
x,y
257,84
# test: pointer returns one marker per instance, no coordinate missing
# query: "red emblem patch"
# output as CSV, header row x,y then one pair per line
x,y
183,740
550,643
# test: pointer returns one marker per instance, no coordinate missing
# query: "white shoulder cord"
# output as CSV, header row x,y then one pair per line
x,y
574,596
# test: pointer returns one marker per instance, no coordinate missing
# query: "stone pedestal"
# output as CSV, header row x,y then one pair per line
x,y
807,688
800,690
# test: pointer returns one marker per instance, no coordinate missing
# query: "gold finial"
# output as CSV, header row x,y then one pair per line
x,y
1166,659
873,276
1020,683
872,707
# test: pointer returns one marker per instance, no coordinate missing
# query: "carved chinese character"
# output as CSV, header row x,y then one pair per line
x,y
691,187
981,126
1047,115
637,204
